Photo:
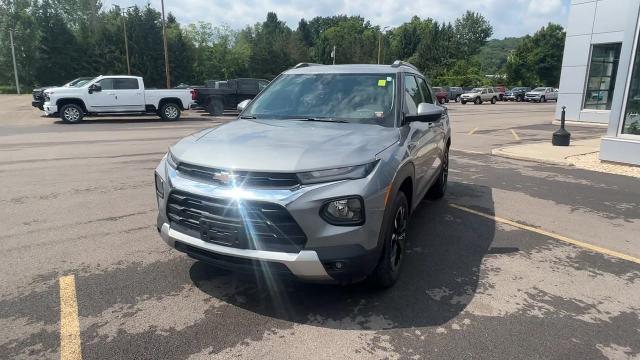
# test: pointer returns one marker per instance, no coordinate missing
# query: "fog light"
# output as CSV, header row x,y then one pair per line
x,y
343,212
159,186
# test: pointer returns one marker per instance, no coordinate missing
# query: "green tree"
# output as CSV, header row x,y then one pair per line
x,y
472,32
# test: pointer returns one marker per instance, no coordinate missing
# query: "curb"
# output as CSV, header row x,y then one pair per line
x,y
582,124
505,154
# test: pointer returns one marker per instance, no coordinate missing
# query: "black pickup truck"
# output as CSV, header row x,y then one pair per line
x,y
217,96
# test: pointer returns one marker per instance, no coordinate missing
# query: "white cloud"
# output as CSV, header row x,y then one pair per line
x,y
508,17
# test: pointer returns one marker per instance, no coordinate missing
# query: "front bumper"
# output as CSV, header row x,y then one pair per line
x,y
50,109
38,104
305,265
355,248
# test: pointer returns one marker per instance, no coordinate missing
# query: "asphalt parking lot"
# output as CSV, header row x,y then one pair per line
x,y
518,261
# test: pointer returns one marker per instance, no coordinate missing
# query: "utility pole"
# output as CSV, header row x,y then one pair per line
x,y
380,44
166,54
13,55
126,42
333,54
123,12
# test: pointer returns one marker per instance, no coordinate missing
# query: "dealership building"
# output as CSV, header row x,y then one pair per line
x,y
600,81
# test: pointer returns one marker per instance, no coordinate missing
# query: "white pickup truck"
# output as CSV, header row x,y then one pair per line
x,y
115,95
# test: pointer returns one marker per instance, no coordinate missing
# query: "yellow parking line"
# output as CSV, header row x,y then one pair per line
x,y
515,135
581,244
472,131
69,324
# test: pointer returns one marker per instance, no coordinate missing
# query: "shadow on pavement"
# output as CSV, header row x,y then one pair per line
x,y
440,277
131,120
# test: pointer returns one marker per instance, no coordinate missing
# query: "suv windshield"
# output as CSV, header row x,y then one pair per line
x,y
477,90
355,98
539,89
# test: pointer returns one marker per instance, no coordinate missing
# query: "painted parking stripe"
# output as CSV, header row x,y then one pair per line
x,y
472,131
69,324
577,243
515,135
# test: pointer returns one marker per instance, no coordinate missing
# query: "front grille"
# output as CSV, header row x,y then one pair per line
x,y
38,95
245,225
241,178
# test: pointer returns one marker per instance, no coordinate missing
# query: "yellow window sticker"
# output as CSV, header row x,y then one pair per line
x,y
382,82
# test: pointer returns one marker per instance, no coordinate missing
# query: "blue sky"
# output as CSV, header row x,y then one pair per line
x,y
508,17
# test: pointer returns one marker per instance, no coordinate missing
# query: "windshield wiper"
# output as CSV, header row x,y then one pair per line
x,y
247,117
319,120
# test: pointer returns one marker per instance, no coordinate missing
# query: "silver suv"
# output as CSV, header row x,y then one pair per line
x,y
316,178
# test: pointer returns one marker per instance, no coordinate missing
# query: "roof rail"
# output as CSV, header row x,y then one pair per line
x,y
304,64
399,63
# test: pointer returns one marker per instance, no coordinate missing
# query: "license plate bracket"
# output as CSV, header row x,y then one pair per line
x,y
221,234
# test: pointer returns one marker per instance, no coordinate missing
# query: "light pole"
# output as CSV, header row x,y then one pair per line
x,y
13,56
124,29
166,54
380,44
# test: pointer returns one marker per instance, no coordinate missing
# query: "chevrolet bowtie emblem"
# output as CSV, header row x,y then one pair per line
x,y
224,177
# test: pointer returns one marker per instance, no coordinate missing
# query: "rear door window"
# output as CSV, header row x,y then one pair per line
x,y
126,84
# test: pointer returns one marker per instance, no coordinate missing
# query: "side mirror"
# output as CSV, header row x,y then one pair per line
x,y
95,88
427,113
242,105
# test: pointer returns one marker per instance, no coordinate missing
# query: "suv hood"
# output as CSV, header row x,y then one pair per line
x,y
63,90
471,94
285,145
534,93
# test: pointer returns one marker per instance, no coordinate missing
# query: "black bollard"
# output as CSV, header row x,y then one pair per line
x,y
561,137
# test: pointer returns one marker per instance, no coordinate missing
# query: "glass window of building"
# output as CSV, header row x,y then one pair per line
x,y
602,76
631,120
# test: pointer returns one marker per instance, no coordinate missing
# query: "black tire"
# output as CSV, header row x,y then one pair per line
x,y
439,188
477,101
519,99
543,99
446,100
463,102
457,98
441,101
494,100
170,112
394,230
215,107
71,113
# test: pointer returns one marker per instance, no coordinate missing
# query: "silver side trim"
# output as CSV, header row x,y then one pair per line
x,y
305,264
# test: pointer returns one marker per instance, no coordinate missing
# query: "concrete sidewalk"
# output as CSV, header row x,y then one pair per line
x,y
544,152
584,154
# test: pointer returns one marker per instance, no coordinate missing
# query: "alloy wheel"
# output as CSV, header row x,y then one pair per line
x,y
171,112
398,238
71,114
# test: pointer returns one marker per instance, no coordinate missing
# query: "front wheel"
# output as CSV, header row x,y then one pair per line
x,y
463,102
494,100
395,238
215,107
71,113
477,101
441,101
457,98
170,112
519,98
543,99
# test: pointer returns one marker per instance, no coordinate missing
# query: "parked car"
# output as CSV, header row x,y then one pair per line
x,y
479,95
115,94
454,93
217,96
516,94
38,93
541,94
316,178
441,95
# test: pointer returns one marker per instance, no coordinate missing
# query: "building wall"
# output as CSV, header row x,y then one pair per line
x,y
590,22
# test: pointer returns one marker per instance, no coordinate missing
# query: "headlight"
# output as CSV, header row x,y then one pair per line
x,y
344,173
159,186
348,211
172,161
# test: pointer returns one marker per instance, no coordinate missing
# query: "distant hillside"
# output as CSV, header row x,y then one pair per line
x,y
493,55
